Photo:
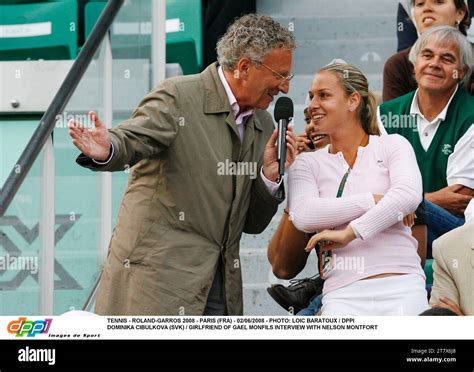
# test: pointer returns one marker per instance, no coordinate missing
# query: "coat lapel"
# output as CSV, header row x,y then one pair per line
x,y
215,98
251,126
216,102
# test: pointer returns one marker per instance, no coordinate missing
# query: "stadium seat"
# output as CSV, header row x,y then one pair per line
x,y
189,13
183,41
38,30
92,13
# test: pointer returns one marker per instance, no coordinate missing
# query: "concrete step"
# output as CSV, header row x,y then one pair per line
x,y
257,273
367,54
327,7
342,25
258,302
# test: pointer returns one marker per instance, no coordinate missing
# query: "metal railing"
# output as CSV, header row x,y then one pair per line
x,y
42,140
61,99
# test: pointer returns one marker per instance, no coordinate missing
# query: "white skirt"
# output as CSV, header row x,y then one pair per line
x,y
391,295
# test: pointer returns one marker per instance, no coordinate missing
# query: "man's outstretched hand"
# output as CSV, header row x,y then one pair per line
x,y
93,142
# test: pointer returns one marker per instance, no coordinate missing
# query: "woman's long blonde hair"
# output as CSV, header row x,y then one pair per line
x,y
353,80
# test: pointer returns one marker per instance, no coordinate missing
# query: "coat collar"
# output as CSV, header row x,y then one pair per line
x,y
215,97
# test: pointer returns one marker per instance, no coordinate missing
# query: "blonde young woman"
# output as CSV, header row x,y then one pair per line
x,y
357,192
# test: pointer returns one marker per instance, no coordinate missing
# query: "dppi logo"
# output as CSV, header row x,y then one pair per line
x,y
30,328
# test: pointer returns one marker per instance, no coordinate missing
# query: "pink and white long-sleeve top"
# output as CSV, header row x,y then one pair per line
x,y
386,166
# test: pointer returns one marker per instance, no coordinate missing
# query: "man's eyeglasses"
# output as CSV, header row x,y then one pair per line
x,y
283,78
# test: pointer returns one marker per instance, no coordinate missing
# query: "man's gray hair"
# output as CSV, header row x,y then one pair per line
x,y
252,36
447,35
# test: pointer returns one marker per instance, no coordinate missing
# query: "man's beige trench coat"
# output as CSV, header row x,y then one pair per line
x,y
453,267
185,205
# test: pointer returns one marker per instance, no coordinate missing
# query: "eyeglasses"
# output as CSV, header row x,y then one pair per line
x,y
280,76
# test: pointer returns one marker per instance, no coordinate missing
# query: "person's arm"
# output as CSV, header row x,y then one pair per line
x,y
454,198
460,167
308,211
264,198
263,206
401,199
443,282
152,128
286,249
459,175
420,233
404,194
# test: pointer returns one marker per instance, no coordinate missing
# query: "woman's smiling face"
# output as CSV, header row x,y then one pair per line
x,y
329,104
430,13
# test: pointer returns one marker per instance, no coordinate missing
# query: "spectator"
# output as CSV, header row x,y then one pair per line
x,y
377,270
285,250
287,257
175,249
437,120
406,31
398,74
453,285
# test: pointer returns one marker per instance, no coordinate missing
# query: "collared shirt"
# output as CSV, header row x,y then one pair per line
x,y
460,167
385,245
239,117
240,120
427,129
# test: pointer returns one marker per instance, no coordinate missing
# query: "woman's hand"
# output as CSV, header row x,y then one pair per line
x,y
303,142
409,220
331,239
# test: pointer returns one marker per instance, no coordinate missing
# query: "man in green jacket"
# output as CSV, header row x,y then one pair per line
x,y
438,121
202,154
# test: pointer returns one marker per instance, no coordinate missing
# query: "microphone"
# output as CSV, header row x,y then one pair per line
x,y
283,113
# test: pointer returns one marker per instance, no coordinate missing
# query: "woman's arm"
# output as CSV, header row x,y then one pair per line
x,y
405,193
308,211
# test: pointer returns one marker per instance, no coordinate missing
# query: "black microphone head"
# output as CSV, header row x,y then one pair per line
x,y
283,109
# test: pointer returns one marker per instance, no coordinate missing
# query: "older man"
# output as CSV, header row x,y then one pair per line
x,y
202,148
438,120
